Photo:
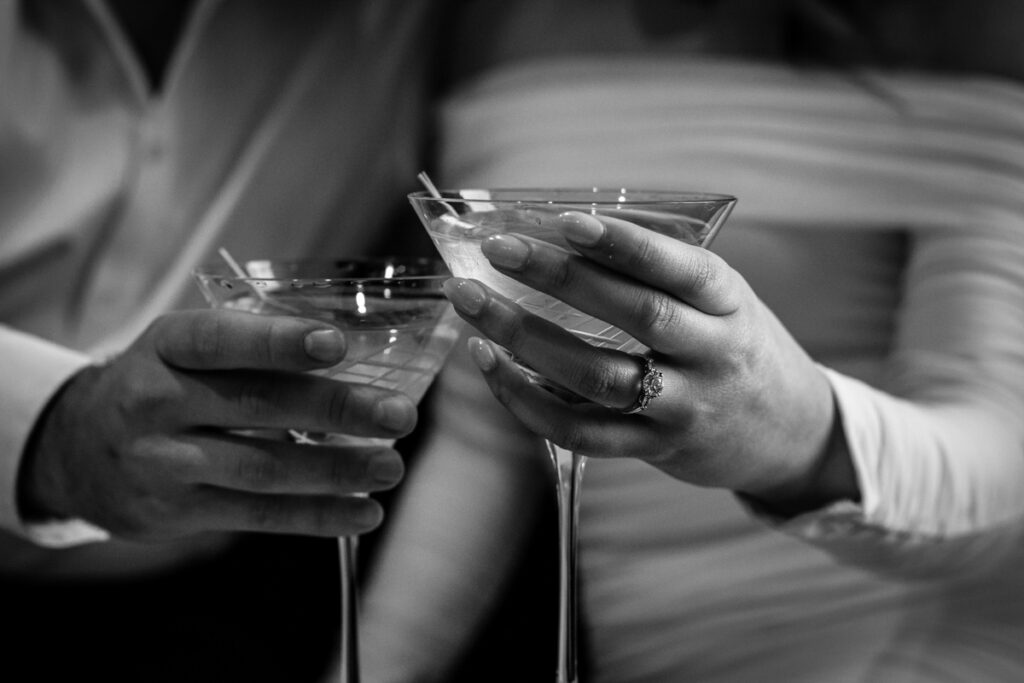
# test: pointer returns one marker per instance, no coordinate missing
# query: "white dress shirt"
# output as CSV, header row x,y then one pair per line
x,y
281,129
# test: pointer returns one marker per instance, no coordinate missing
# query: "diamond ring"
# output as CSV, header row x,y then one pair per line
x,y
651,385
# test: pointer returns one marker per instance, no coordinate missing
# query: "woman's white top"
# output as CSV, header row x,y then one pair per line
x,y
882,219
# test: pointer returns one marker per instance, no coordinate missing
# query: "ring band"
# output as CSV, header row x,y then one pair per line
x,y
651,385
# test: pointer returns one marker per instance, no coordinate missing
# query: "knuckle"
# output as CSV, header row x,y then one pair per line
x,y
126,405
643,253
339,473
517,332
336,404
255,398
322,517
562,274
704,273
274,345
162,457
186,464
598,381
656,311
206,338
140,393
259,473
266,513
503,394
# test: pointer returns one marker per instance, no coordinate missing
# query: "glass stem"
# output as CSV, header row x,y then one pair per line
x,y
569,475
349,670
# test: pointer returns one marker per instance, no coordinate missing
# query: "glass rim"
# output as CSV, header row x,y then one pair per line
x,y
582,196
223,271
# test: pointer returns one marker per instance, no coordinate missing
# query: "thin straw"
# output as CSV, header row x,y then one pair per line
x,y
428,183
262,295
432,189
233,264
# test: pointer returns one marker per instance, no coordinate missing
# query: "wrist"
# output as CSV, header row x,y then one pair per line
x,y
40,491
831,477
41,499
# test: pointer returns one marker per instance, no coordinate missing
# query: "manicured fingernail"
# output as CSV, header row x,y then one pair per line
x,y
325,345
466,295
581,228
387,468
506,251
395,413
482,354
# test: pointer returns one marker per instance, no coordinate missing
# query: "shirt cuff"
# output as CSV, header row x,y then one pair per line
x,y
64,533
887,532
33,370
842,519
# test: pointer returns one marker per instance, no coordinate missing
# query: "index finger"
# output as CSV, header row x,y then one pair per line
x,y
689,272
220,339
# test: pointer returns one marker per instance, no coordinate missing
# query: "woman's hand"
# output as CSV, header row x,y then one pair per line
x,y
742,407
159,443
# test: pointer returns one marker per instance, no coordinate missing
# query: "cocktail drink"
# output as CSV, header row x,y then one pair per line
x,y
399,329
458,221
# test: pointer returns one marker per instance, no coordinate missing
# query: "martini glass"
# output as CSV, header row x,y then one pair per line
x,y
399,329
459,220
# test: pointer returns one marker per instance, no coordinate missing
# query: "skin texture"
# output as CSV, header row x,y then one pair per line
x,y
743,405
155,444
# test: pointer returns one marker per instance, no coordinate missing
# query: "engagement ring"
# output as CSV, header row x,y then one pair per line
x,y
651,385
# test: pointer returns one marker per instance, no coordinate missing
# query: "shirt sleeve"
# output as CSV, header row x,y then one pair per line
x,y
939,449
31,372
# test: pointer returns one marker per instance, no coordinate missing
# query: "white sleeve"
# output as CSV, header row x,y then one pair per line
x,y
939,449
31,372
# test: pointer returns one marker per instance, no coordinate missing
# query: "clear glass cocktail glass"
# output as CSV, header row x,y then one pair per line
x,y
399,329
459,220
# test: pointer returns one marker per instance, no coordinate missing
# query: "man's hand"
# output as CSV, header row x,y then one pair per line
x,y
181,434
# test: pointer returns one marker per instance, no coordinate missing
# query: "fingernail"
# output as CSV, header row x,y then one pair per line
x,y
482,354
581,228
325,345
466,295
506,251
387,468
370,514
395,413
